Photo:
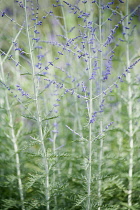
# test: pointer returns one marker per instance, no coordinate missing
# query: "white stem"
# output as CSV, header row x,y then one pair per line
x,y
130,105
90,112
14,140
90,142
101,98
39,121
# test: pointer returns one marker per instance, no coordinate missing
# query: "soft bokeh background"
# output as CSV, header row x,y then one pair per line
x,y
64,114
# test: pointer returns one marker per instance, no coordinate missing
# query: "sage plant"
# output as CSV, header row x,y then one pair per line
x,y
69,79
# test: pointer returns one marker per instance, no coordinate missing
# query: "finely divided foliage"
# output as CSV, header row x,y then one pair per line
x,y
69,82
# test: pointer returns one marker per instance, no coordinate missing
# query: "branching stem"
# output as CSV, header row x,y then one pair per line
x,y
14,141
39,120
100,101
130,113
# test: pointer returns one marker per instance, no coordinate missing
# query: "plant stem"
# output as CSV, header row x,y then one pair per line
x,y
130,105
64,19
14,141
90,134
90,142
100,101
39,121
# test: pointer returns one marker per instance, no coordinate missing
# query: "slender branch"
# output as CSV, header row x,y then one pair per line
x,y
90,112
14,141
130,113
100,101
39,120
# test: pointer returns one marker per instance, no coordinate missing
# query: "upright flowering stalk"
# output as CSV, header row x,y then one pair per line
x,y
77,120
38,113
90,139
90,135
100,101
130,114
14,138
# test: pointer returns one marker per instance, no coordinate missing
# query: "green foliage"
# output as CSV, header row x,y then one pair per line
x,y
51,156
